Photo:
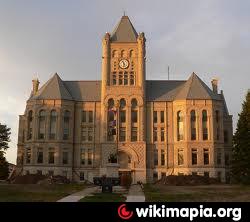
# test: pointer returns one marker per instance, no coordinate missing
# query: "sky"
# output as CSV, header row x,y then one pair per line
x,y
39,38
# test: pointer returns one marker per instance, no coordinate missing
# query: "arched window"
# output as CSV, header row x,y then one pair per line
x,y
122,122
193,125
180,126
41,131
204,125
66,120
115,53
134,120
53,118
123,53
122,111
111,122
30,121
131,53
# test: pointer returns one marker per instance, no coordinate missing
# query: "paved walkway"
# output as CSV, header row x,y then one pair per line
x,y
135,194
75,197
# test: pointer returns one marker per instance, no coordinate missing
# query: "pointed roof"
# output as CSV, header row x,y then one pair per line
x,y
124,31
195,88
54,88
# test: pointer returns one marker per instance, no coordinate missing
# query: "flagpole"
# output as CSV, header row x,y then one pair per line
x,y
117,128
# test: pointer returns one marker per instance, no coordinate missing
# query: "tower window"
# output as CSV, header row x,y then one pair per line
x,y
134,134
120,79
125,79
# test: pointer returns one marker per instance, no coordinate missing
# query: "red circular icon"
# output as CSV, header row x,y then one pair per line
x,y
123,213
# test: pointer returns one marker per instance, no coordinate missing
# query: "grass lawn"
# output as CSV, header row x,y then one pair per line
x,y
36,193
104,197
213,193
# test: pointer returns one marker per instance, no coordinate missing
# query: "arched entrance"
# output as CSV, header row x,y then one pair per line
x,y
126,162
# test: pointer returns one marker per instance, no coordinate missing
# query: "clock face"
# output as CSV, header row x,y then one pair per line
x,y
123,64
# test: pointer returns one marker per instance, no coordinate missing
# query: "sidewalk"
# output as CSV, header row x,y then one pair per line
x,y
135,194
75,197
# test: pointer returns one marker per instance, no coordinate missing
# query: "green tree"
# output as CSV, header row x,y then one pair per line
x,y
241,145
4,168
4,140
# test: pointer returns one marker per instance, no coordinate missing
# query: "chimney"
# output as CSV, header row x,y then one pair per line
x,y
215,85
35,83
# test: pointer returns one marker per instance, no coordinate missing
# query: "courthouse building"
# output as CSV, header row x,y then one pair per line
x,y
124,123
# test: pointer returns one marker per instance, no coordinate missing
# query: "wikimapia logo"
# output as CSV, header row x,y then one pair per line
x,y
124,213
152,211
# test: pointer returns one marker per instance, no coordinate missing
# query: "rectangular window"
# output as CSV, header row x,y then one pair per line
x,y
84,116
155,117
51,156
90,134
122,136
90,116
39,172
205,134
180,157
162,157
125,79
162,134
134,134
123,116
40,155
193,133
90,156
66,133
51,173
162,116
206,156
194,173
83,156
194,156
28,155
120,79
155,134
227,159
134,116
81,176
114,78
219,158
156,157
84,134
65,157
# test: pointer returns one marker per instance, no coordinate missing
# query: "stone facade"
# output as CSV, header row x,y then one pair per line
x,y
153,128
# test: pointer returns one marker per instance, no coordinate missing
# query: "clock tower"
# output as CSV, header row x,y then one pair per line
x,y
123,89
